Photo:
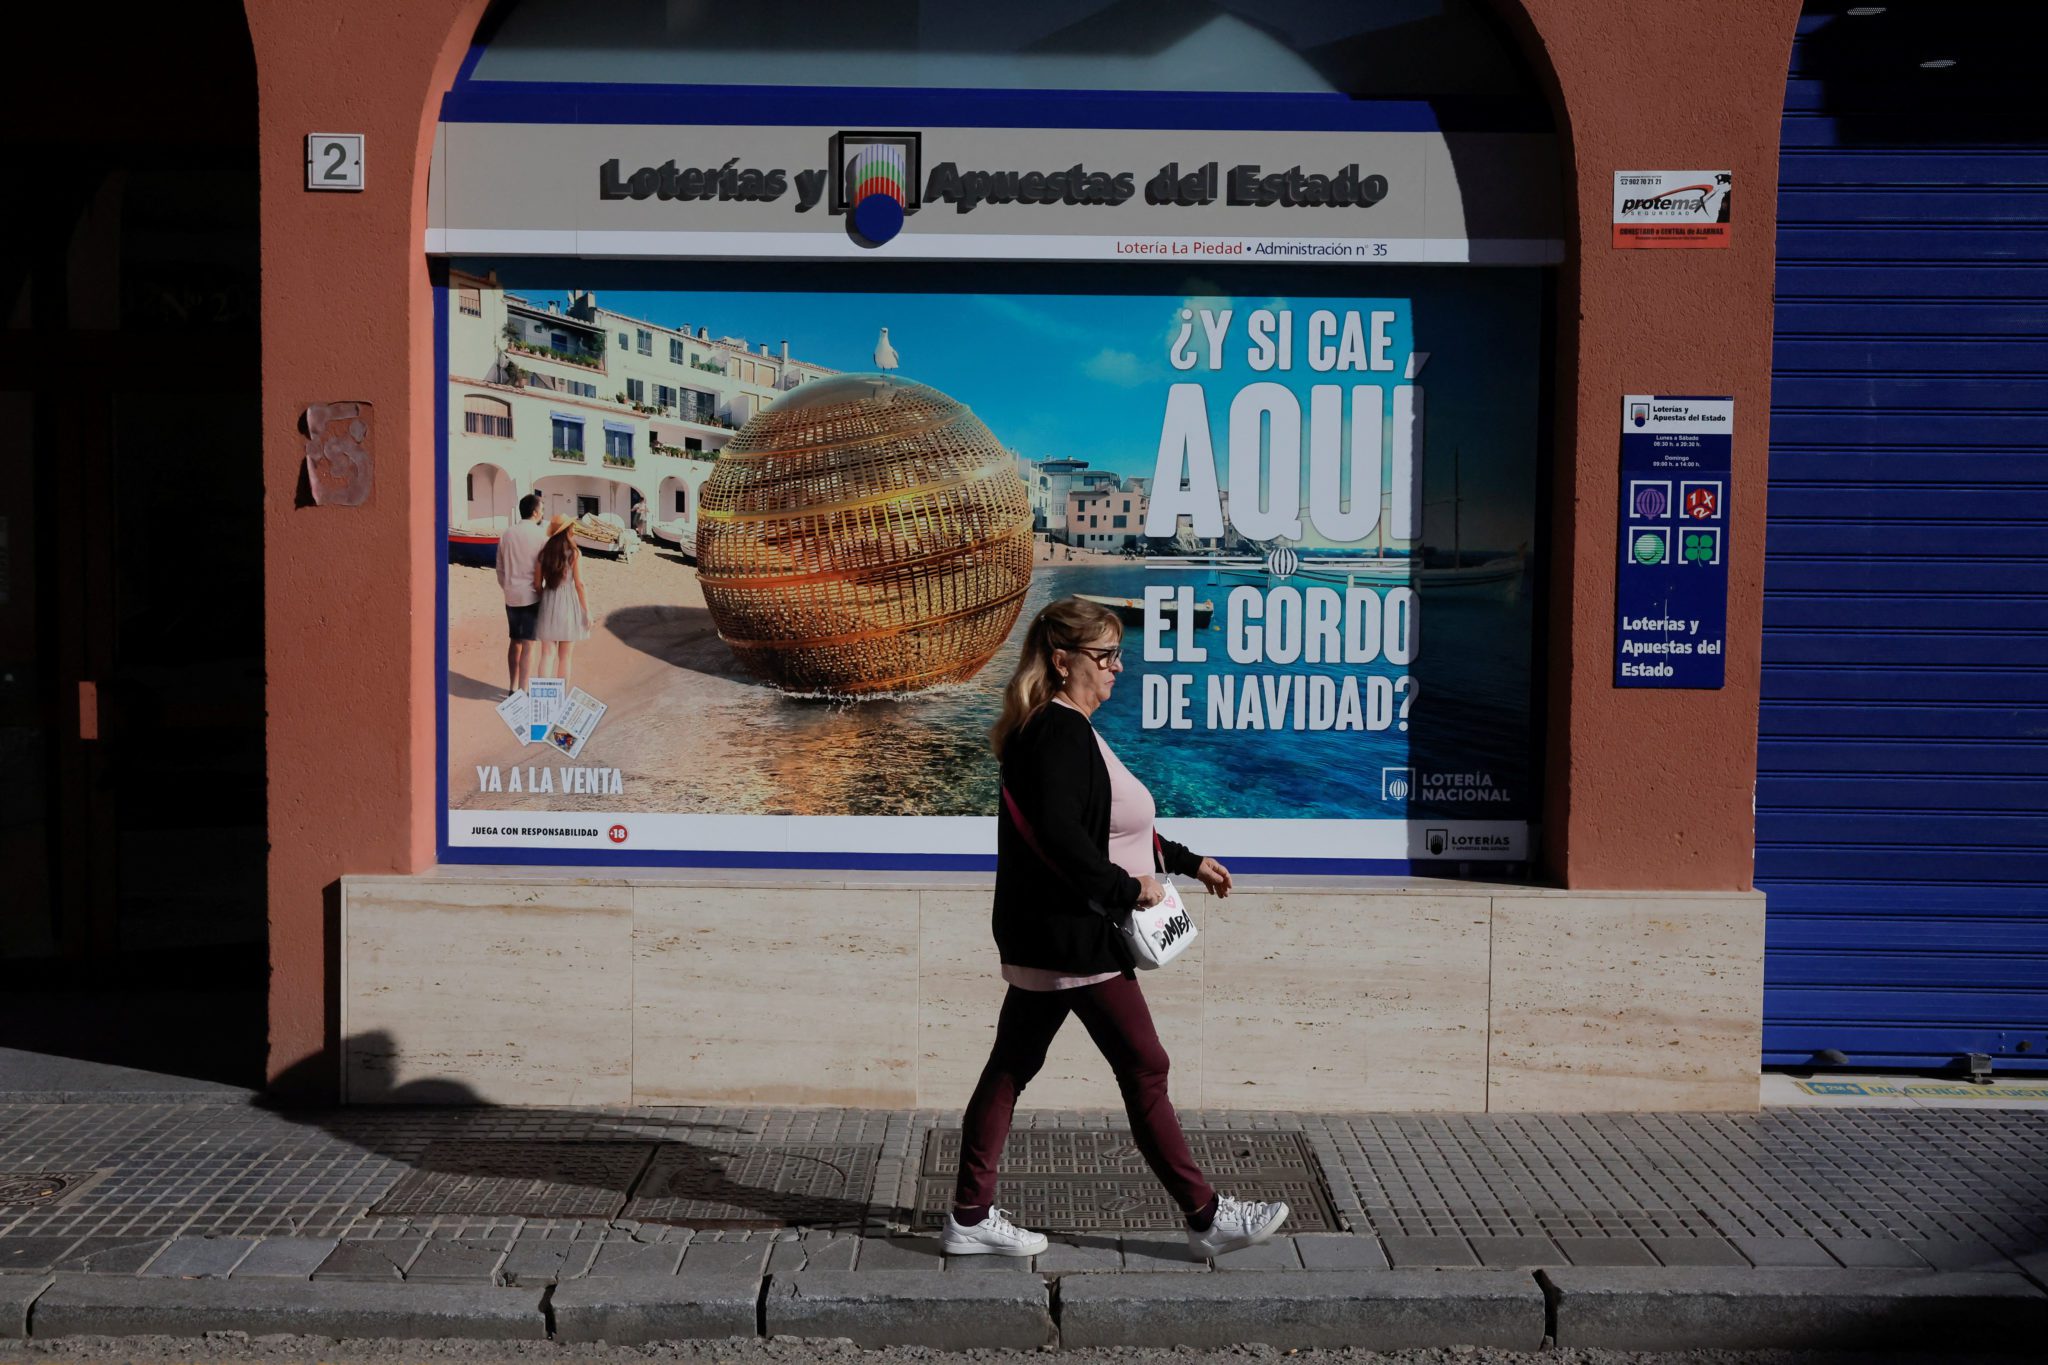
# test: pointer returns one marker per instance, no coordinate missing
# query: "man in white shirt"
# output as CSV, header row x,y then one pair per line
x,y
518,551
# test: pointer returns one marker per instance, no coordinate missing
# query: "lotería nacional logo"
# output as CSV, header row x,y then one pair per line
x,y
1439,842
1396,783
874,181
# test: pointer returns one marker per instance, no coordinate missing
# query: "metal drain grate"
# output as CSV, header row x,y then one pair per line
x,y
755,1187
1057,1180
1100,1152
42,1189
519,1179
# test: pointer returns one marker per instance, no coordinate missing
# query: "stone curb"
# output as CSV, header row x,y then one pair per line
x,y
1615,1308
632,1310
1793,1309
1380,1310
17,1292
107,1305
910,1308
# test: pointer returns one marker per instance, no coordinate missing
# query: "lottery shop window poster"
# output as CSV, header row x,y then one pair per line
x,y
811,524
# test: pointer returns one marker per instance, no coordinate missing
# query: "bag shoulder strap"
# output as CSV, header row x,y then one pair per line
x,y
1030,835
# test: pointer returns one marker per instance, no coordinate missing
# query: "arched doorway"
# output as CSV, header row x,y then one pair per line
x,y
133,925
490,497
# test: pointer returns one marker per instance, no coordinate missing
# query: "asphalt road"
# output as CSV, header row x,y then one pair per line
x,y
233,1347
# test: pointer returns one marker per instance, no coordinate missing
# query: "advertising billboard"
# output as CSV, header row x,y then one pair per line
x,y
811,520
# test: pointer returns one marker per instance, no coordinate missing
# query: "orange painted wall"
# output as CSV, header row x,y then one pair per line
x,y
349,616
1645,789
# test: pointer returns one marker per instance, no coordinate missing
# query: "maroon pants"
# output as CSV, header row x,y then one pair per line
x,y
1116,1017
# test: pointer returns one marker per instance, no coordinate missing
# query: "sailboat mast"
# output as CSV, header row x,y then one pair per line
x,y
1457,507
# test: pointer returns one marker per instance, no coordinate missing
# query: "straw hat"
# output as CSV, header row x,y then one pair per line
x,y
558,523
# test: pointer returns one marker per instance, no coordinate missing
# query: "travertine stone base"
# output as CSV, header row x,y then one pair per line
x,y
486,990
1626,1002
881,990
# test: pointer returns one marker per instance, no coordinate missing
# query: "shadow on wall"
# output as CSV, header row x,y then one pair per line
x,y
526,1161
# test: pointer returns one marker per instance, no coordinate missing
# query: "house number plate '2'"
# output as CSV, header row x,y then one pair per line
x,y
334,161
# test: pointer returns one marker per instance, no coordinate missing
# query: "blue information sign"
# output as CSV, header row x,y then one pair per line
x,y
1671,595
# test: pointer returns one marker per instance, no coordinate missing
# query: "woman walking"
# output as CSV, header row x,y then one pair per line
x,y
564,610
1075,853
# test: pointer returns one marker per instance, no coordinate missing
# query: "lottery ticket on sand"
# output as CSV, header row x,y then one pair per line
x,y
515,711
574,721
545,697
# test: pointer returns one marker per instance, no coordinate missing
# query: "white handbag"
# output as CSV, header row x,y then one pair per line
x,y
1160,933
1156,934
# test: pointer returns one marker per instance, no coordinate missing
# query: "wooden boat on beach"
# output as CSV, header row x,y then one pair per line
x,y
677,535
1507,568
596,535
1131,610
473,546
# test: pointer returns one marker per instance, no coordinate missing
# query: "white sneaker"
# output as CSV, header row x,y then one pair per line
x,y
994,1235
1240,1223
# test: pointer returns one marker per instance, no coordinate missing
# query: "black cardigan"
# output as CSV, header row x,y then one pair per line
x,y
1064,921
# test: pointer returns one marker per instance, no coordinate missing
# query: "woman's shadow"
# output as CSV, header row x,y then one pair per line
x,y
467,1157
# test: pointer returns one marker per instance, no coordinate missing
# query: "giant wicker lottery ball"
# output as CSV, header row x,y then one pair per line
x,y
864,534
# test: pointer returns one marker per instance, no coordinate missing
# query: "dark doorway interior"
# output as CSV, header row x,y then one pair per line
x,y
131,549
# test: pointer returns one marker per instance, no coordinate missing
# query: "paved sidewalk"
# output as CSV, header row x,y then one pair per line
x,y
1637,1231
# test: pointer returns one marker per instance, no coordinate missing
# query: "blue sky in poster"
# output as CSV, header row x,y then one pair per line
x,y
1086,376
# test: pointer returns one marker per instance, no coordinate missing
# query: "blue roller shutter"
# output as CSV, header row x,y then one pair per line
x,y
1902,796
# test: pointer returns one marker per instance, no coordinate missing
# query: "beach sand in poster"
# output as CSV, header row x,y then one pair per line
x,y
690,731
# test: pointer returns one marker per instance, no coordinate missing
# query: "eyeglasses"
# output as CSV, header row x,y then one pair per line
x,y
1106,657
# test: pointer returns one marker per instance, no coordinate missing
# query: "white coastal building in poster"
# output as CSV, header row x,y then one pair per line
x,y
593,409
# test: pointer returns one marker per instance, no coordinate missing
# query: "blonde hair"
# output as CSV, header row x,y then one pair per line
x,y
1070,623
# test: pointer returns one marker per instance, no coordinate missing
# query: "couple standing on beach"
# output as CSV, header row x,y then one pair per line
x,y
541,574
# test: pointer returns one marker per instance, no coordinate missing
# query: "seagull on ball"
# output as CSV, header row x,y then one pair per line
x,y
885,354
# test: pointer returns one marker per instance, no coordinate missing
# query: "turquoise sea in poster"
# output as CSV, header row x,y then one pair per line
x,y
1471,714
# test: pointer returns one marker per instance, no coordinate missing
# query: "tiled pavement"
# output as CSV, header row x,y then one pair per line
x,y
220,1189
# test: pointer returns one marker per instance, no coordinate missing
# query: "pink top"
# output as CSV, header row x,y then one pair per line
x,y
1130,847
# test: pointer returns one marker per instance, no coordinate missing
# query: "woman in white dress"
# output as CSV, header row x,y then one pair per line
x,y
564,610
